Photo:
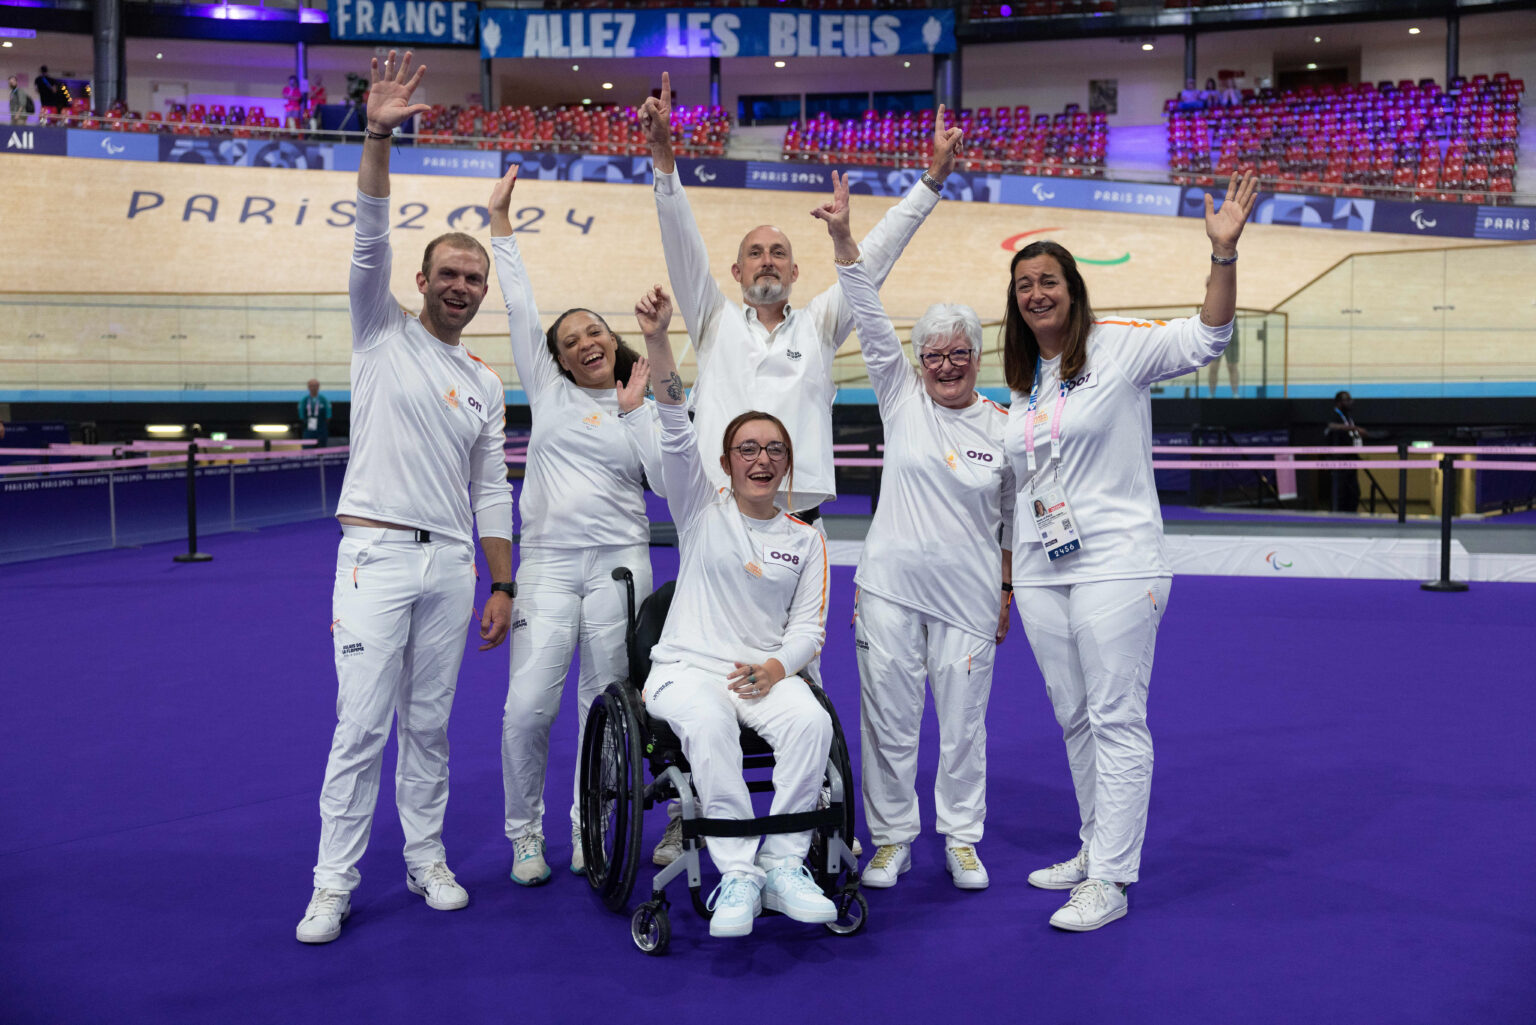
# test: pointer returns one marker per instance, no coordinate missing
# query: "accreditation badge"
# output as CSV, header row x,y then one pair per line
x,y
1052,514
312,424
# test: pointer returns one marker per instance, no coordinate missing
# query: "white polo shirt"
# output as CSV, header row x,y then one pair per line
x,y
747,590
786,371
582,485
428,419
1106,449
946,490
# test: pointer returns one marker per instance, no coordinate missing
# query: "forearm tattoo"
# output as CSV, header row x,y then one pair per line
x,y
674,387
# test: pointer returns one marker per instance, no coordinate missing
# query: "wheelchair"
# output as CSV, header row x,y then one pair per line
x,y
622,741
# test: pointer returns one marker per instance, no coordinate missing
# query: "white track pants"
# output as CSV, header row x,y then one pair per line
x,y
708,717
566,599
1093,643
401,610
897,648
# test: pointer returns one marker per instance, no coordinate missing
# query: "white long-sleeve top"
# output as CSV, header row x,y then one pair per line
x,y
1106,449
747,590
946,491
786,371
428,419
582,483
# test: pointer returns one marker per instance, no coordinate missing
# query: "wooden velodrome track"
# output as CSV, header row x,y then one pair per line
x,y
66,224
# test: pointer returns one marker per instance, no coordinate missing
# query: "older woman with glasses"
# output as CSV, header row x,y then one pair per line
x,y
933,576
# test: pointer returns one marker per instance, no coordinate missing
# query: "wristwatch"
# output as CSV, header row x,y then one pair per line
x,y
510,590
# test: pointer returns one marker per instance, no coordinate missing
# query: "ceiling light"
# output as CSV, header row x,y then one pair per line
x,y
575,67
165,428
905,64
6,44
1146,46
607,85
159,56
778,64
1317,39
1413,31
1311,66
586,101
270,428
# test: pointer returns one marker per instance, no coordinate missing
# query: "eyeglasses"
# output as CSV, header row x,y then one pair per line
x,y
749,450
957,358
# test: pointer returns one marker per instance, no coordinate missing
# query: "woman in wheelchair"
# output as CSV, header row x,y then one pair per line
x,y
748,614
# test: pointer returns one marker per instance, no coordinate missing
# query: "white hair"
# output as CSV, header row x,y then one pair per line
x,y
944,321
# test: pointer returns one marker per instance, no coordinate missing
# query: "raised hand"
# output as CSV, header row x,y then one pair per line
x,y
501,201
946,147
389,93
656,115
1224,226
632,392
835,210
654,312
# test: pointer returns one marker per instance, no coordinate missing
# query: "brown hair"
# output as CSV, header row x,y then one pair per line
x,y
1020,349
750,415
454,240
623,356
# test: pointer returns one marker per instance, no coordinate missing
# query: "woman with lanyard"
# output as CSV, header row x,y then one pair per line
x,y
933,576
1089,572
583,508
748,615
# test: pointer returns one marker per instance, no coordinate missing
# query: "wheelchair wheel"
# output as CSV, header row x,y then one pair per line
x,y
852,912
832,883
612,795
649,928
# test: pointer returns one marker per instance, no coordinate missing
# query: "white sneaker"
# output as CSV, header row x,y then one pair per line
x,y
1063,875
791,891
322,919
965,867
528,865
734,904
890,861
1094,904
437,884
578,859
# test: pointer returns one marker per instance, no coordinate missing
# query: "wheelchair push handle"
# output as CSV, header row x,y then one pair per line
x,y
623,573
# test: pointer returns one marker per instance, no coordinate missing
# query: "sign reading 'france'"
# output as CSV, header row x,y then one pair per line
x,y
711,32
444,22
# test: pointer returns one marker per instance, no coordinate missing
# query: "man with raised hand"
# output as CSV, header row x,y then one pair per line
x,y
427,437
764,352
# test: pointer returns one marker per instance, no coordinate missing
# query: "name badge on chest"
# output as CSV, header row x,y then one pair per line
x,y
781,557
1053,517
312,424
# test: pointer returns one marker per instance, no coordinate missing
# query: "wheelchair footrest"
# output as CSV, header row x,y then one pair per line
x,y
796,822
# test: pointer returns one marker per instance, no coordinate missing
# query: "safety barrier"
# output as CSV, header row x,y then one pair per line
x,y
867,456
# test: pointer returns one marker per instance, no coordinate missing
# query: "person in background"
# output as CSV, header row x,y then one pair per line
x,y
293,102
315,415
1344,494
21,102
1191,97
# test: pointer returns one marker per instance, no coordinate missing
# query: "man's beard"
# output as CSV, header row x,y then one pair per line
x,y
765,291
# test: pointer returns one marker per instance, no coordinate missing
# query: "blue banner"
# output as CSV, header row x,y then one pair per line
x,y
441,22
709,32
712,173
1505,222
1451,219
1089,194
576,167
112,145
232,152
50,142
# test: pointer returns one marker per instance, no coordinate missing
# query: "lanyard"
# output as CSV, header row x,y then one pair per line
x,y
1029,419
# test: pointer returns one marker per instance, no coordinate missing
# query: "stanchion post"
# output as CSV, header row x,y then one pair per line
x,y
1447,506
192,554
1402,483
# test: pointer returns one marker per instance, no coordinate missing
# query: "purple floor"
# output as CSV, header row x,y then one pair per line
x,y
1341,828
